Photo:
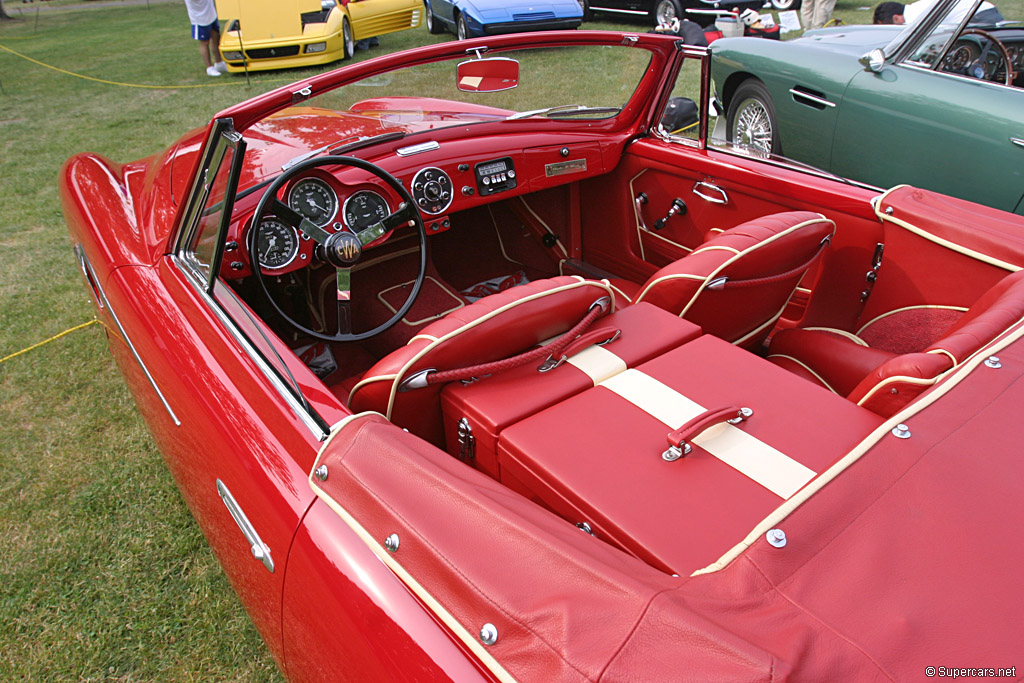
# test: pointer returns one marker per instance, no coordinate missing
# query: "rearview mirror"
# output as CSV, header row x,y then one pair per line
x,y
490,74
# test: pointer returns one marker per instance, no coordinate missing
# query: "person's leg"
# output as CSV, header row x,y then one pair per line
x,y
807,14
823,12
204,50
215,44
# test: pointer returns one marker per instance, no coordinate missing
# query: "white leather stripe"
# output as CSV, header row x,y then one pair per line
x,y
772,469
598,363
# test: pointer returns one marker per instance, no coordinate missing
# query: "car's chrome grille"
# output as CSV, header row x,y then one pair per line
x,y
533,16
272,52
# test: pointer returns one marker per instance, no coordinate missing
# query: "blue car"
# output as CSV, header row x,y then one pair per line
x,y
472,18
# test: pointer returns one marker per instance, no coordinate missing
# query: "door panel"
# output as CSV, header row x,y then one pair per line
x,y
935,130
615,241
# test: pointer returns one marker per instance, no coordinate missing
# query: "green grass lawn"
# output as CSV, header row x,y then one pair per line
x,y
103,573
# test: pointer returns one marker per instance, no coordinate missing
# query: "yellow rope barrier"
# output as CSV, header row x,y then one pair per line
x,y
47,341
132,85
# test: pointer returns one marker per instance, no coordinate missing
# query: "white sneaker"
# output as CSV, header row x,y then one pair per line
x,y
221,67
212,71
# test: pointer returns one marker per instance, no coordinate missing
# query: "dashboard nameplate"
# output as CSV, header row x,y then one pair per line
x,y
564,167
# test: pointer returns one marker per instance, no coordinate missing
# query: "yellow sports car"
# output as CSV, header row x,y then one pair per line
x,y
270,34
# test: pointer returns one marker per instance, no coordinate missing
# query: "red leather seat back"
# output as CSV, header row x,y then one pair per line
x,y
495,327
761,262
896,380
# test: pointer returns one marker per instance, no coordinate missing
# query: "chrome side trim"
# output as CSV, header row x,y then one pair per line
x,y
300,410
812,98
257,547
104,303
1017,141
639,13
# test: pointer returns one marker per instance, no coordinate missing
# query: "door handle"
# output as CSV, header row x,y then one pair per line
x,y
257,547
711,187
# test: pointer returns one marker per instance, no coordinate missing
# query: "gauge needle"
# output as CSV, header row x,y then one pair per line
x,y
270,245
315,205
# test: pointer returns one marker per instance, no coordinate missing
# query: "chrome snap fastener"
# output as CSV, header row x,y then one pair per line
x,y
776,538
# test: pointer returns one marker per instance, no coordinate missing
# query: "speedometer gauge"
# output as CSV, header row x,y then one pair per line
x,y
277,244
365,208
315,200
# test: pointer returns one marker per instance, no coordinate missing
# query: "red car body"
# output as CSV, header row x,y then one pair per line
x,y
900,555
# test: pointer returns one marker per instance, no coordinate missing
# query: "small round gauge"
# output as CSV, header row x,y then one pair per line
x,y
365,208
277,244
315,200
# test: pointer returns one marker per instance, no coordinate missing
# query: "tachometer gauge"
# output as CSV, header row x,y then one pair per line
x,y
315,200
277,244
365,208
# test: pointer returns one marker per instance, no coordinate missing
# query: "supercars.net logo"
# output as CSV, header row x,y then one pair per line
x,y
970,672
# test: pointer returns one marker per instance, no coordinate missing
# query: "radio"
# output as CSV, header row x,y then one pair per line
x,y
495,176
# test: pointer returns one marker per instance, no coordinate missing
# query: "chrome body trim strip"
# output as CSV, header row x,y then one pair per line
x,y
104,303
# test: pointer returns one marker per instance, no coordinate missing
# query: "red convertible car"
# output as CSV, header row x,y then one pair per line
x,y
473,363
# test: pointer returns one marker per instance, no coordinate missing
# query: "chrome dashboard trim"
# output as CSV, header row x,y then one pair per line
x,y
104,303
428,146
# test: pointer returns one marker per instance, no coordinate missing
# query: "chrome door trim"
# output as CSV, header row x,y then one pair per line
x,y
104,303
268,372
812,98
1017,141
257,548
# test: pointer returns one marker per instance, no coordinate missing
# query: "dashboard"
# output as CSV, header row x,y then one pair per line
x,y
447,179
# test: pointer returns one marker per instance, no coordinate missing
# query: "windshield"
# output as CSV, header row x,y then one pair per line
x,y
570,83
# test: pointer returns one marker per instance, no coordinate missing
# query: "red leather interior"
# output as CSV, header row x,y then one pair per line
x,y
492,328
494,403
887,381
762,260
683,515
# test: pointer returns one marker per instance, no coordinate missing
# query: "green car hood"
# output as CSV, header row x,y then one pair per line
x,y
853,40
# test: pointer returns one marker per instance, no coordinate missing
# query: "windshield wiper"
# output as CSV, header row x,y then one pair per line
x,y
357,142
563,111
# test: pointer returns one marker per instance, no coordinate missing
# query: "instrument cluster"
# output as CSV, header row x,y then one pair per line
x,y
317,199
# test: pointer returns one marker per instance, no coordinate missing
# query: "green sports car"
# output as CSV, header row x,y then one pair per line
x,y
937,102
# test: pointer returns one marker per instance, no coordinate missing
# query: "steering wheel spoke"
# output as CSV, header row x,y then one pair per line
x,y
298,221
344,282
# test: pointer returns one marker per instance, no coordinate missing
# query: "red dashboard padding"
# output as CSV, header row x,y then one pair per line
x,y
495,327
493,403
887,382
564,604
736,285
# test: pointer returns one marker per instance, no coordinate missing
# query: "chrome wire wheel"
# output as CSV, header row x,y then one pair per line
x,y
752,125
666,11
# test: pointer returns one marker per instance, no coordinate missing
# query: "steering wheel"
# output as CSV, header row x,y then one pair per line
x,y
341,249
976,66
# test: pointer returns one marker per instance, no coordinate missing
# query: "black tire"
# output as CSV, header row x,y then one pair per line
x,y
461,30
783,5
751,120
348,42
588,14
666,10
433,25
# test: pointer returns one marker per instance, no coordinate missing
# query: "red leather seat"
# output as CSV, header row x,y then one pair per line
x,y
493,328
882,381
736,285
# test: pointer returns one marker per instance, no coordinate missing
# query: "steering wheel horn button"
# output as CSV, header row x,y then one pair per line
x,y
343,249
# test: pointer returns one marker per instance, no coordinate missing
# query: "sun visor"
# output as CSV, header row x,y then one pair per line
x,y
267,19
